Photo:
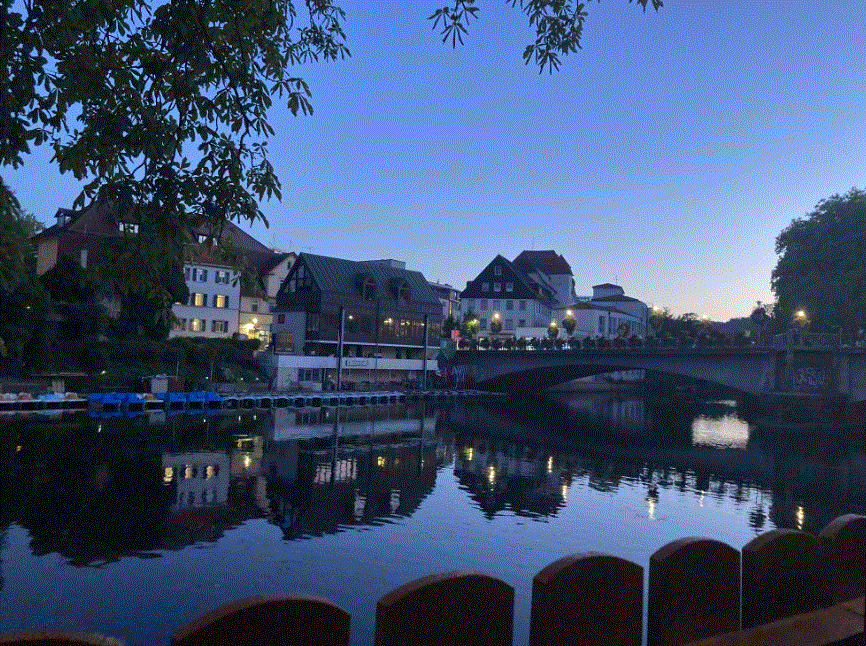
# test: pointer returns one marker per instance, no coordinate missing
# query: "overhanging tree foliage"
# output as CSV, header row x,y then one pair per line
x,y
822,266
163,106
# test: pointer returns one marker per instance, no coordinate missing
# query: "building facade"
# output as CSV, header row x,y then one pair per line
x,y
503,291
214,307
386,310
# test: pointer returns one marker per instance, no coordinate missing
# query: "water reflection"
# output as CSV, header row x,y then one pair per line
x,y
352,502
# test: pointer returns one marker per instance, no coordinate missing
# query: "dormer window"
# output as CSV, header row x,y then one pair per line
x,y
368,288
127,228
403,291
497,270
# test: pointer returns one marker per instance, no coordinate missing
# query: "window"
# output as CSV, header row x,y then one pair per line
x,y
471,304
199,275
84,258
127,228
521,323
509,305
186,273
482,323
601,325
254,306
196,325
509,324
485,287
521,305
197,299
221,277
509,287
220,300
496,305
483,304
497,270
403,291
300,280
219,326
497,287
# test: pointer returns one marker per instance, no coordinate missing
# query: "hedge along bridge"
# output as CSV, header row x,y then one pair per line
x,y
796,365
785,588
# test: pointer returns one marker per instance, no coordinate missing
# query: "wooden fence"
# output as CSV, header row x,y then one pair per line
x,y
785,587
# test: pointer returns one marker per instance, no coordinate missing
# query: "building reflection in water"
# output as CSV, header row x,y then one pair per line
x,y
331,468
94,490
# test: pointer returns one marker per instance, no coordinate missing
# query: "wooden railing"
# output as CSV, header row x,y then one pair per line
x,y
785,587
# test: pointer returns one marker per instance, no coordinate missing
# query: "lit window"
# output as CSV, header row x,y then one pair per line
x,y
220,300
168,476
127,228
196,325
197,299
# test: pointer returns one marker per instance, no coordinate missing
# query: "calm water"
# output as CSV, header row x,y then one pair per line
x,y
133,526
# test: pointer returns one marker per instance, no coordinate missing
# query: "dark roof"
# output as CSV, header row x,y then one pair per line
x,y
525,288
591,306
606,285
341,276
548,262
616,297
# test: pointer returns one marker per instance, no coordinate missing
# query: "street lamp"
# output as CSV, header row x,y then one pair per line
x,y
553,330
495,323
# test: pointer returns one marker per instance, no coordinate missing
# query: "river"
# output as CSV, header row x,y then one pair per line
x,y
132,526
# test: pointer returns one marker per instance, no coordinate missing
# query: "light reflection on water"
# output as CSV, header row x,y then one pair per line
x,y
184,513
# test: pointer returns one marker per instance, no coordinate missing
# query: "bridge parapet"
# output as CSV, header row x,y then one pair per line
x,y
802,340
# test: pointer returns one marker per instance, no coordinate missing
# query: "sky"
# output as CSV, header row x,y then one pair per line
x,y
665,156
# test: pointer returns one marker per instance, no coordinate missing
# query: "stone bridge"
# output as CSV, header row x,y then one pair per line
x,y
795,370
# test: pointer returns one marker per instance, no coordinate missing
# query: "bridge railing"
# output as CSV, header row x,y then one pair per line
x,y
801,340
784,586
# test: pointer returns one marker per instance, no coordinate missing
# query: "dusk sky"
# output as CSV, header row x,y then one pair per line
x,y
665,155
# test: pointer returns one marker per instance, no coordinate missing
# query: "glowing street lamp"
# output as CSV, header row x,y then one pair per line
x,y
553,330
495,323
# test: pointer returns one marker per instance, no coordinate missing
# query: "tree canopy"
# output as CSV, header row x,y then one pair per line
x,y
821,269
163,106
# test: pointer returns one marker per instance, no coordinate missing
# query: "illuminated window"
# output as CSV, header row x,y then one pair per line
x,y
168,476
196,325
127,228
220,300
209,472
197,299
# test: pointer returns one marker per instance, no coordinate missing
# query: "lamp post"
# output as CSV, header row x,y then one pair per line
x,y
553,330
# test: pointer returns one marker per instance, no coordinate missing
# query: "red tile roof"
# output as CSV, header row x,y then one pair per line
x,y
548,262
